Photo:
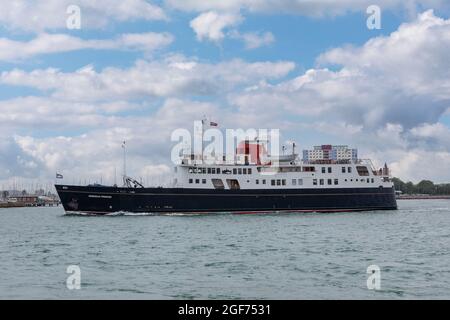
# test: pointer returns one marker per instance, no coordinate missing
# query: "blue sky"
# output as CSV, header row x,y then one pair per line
x,y
137,70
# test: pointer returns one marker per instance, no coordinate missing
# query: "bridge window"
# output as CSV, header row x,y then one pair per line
x,y
190,180
330,182
249,170
272,182
197,181
218,170
321,181
315,182
244,171
213,170
278,182
336,181
343,169
283,182
209,170
349,169
233,184
240,171
218,184
329,169
323,169
362,170
264,181
234,171
204,181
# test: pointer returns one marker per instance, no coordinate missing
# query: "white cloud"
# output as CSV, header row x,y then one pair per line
x,y
253,40
174,76
38,16
56,114
11,50
210,25
402,78
386,98
98,151
315,8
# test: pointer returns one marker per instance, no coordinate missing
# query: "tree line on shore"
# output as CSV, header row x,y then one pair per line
x,y
423,187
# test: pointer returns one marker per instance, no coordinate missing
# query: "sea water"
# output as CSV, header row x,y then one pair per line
x,y
227,256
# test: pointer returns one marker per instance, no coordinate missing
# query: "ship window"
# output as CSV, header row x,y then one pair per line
x,y
239,171
345,180
343,169
357,180
330,182
373,180
209,170
329,169
300,182
315,182
323,169
321,182
272,182
213,170
283,182
197,181
264,181
218,183
191,170
204,181
349,169
336,181
190,180
233,184
249,170
362,170
244,171
278,182
218,170
257,181
204,170
234,171
294,182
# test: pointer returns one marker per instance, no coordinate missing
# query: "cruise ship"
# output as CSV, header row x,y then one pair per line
x,y
326,179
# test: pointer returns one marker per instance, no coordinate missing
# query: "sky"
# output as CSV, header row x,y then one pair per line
x,y
136,70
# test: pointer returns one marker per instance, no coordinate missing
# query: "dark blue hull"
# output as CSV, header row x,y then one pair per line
x,y
104,200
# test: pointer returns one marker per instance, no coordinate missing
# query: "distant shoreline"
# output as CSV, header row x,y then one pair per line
x,y
423,197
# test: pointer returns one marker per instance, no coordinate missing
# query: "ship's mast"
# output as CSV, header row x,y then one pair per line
x,y
124,159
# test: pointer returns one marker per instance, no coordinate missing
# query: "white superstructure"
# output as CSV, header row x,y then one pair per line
x,y
288,173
